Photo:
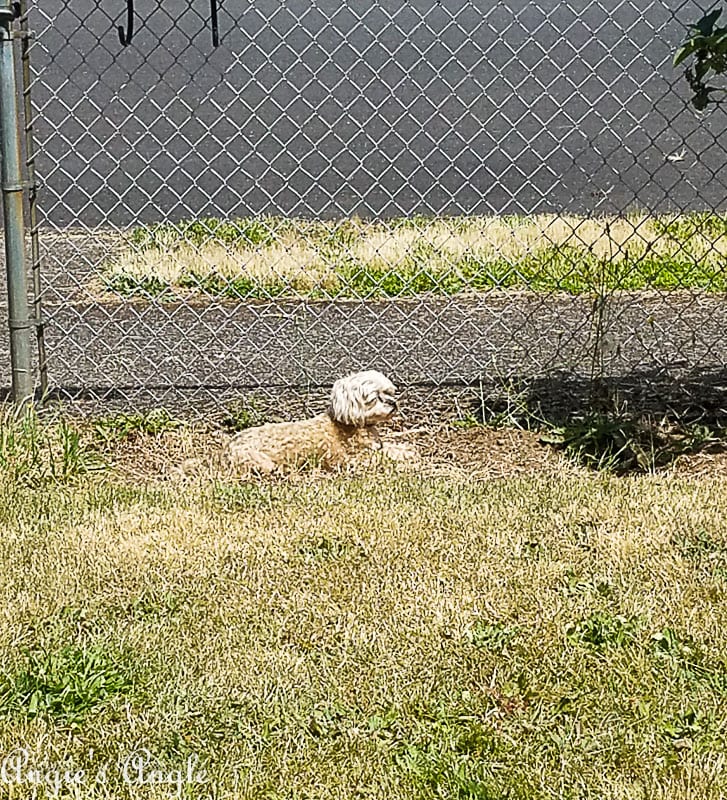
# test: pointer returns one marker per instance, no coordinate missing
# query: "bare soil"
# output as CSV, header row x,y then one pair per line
x,y
478,452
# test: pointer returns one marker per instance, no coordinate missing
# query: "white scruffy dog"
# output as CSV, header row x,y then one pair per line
x,y
358,403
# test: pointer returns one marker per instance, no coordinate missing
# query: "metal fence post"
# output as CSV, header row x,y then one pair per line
x,y
12,191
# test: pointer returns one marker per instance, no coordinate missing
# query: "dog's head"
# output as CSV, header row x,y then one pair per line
x,y
363,398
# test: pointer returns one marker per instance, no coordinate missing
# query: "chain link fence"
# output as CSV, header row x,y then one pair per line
x,y
252,199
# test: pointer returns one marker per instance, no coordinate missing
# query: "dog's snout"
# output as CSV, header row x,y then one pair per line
x,y
387,400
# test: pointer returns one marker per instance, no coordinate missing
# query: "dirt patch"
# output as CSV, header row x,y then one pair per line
x,y
479,452
704,464
487,452
145,456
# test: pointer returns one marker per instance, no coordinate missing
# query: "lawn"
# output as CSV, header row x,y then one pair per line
x,y
386,634
268,257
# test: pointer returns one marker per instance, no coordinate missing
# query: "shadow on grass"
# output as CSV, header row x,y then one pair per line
x,y
638,422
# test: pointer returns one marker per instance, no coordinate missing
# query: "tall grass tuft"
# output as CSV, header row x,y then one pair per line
x,y
35,449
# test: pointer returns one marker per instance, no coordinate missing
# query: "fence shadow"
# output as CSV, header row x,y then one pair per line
x,y
698,397
554,399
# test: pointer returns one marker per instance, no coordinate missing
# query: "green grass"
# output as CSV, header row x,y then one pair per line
x,y
381,635
624,442
246,414
684,227
261,231
118,427
271,257
65,684
35,450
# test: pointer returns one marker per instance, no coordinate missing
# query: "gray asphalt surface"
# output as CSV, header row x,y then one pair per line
x,y
374,109
369,108
198,353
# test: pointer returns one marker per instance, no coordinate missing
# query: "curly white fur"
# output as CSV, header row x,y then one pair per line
x,y
358,403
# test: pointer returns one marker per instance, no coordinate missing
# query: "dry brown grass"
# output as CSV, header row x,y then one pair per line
x,y
329,257
548,633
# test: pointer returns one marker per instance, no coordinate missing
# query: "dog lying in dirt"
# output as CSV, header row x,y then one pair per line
x,y
358,403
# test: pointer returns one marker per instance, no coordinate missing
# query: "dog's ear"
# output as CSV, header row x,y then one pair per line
x,y
347,402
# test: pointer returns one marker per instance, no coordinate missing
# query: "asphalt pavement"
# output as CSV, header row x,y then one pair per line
x,y
371,108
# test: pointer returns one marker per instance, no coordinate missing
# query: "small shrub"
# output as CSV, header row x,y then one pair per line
x,y
245,414
240,286
137,286
707,45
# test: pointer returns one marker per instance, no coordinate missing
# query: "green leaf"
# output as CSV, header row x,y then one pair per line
x,y
706,25
702,99
684,52
701,68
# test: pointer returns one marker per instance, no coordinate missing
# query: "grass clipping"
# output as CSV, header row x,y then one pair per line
x,y
271,257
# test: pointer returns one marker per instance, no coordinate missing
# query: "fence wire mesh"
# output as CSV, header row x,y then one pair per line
x,y
455,192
